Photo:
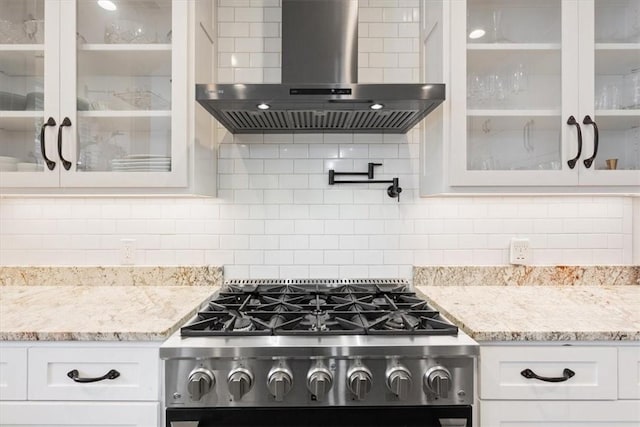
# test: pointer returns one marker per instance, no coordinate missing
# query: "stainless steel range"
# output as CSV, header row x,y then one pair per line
x,y
316,353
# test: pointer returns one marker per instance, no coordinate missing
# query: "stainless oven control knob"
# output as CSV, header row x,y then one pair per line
x,y
359,381
279,382
319,381
438,380
201,381
239,382
399,381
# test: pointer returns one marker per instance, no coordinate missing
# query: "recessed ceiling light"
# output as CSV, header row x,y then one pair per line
x,y
107,5
264,106
376,106
477,33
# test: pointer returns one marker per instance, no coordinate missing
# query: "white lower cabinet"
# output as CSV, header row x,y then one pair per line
x,y
559,413
129,414
80,384
559,384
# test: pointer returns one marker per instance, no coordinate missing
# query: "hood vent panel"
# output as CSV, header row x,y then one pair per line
x,y
318,121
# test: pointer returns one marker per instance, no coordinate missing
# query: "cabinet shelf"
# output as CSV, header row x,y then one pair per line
x,y
125,113
536,61
513,113
21,47
19,120
128,121
111,47
141,60
617,46
513,46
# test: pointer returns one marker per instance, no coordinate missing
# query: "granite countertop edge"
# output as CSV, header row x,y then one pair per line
x,y
191,298
512,331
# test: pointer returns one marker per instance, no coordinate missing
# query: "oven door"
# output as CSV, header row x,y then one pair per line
x,y
342,416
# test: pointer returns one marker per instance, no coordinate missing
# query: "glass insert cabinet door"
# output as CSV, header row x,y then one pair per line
x,y
125,114
28,92
614,87
512,85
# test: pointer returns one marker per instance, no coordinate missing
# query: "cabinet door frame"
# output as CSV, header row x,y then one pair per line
x,y
177,177
45,178
591,176
459,175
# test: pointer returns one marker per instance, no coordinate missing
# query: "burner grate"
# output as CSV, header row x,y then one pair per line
x,y
317,307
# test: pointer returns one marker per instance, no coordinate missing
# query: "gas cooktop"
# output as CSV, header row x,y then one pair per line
x,y
317,307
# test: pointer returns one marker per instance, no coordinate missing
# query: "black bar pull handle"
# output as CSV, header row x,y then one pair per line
x,y
566,374
75,376
50,163
572,163
589,121
65,163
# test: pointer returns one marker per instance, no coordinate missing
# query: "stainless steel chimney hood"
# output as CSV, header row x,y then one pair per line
x,y
319,90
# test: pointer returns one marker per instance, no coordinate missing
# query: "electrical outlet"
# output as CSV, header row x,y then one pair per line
x,y
127,251
520,252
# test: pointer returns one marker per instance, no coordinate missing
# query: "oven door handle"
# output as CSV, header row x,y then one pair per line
x,y
185,423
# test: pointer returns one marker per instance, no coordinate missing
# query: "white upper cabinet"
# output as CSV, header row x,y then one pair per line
x,y
531,84
96,95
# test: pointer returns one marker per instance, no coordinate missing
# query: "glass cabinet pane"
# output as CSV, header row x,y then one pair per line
x,y
617,84
21,21
514,74
513,21
22,88
124,86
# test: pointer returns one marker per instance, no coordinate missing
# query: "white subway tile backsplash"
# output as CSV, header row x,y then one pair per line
x,y
276,215
233,29
249,44
370,14
225,14
249,14
307,196
294,151
308,257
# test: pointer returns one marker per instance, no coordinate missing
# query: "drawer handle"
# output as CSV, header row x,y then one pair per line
x,y
75,375
566,374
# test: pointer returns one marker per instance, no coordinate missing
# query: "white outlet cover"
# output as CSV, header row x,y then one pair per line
x,y
127,251
520,251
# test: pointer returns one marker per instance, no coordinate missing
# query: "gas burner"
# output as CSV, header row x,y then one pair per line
x,y
243,324
318,308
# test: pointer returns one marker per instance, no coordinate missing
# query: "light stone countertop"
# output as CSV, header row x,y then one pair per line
x,y
97,313
540,313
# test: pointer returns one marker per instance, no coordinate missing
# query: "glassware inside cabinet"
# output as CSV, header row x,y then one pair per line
x,y
22,22
513,143
124,144
513,21
124,82
20,144
617,84
514,82
125,21
617,21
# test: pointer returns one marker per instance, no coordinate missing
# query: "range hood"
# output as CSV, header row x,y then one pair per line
x,y
319,90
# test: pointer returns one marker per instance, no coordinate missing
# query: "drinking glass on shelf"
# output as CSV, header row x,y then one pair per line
x,y
519,81
632,89
609,98
497,22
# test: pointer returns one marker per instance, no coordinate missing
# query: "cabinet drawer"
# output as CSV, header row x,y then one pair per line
x,y
498,413
629,373
39,414
594,367
139,371
13,373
